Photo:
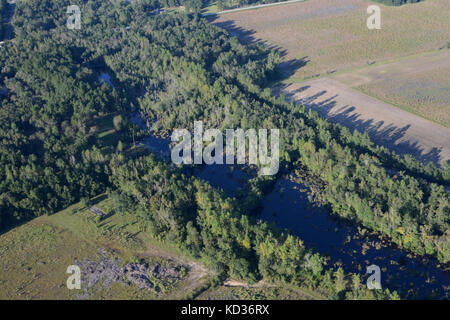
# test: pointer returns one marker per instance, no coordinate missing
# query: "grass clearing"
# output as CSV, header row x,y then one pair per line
x,y
34,256
107,135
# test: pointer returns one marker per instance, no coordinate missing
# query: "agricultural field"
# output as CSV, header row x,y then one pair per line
x,y
420,85
428,95
322,37
34,258
213,8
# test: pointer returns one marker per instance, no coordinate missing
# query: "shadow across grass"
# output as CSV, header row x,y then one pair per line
x,y
285,69
382,133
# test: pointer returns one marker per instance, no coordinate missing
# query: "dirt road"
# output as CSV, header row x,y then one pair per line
x,y
197,276
394,128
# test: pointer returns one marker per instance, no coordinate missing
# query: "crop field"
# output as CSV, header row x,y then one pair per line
x,y
324,36
34,258
420,85
425,96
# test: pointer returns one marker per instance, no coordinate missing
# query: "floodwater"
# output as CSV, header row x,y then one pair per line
x,y
288,207
105,77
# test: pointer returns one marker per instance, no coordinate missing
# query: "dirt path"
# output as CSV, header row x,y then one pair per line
x,y
394,128
235,283
195,279
261,284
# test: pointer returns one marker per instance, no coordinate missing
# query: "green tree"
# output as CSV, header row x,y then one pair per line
x,y
118,122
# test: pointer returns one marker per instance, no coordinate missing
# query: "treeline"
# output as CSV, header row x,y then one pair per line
x,y
207,225
231,4
46,128
396,2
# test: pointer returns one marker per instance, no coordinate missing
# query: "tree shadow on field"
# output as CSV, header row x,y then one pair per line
x,y
386,134
290,67
285,69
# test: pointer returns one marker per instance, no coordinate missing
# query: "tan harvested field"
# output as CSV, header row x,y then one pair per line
x,y
332,36
392,127
418,84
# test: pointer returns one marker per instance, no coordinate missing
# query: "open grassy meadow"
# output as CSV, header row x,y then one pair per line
x,y
34,258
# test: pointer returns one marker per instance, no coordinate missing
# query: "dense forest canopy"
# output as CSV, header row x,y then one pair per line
x,y
176,69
